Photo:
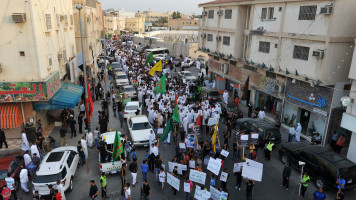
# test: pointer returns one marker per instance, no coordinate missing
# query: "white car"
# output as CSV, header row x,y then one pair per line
x,y
121,79
59,164
131,108
189,63
108,166
187,74
129,91
139,130
160,57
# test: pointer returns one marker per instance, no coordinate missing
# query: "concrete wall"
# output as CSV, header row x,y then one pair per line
x,y
269,25
259,57
343,9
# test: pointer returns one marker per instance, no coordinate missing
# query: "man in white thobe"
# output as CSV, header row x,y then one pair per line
x,y
151,139
24,179
185,124
85,147
25,143
198,64
34,150
225,96
298,131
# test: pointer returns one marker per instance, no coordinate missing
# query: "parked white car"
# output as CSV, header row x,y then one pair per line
x,y
121,79
108,166
139,130
189,63
131,108
187,74
130,91
59,164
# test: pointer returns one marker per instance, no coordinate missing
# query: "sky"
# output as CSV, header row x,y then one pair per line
x,y
185,6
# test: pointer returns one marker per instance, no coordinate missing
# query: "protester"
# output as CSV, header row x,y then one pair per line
x,y
146,190
286,175
305,184
93,192
2,139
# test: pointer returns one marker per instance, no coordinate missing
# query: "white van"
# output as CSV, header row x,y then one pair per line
x,y
158,51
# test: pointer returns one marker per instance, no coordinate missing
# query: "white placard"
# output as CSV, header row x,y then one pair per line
x,y
223,176
160,131
197,176
186,187
192,164
253,163
212,121
184,167
224,153
237,167
162,177
201,194
244,137
214,165
254,135
173,181
214,193
171,166
182,145
253,170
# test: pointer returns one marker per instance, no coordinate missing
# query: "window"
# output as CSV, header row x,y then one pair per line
x,y
264,13
226,40
50,62
210,37
58,20
211,14
228,14
301,53
71,20
270,13
307,12
66,20
64,55
267,13
22,53
264,47
48,22
70,159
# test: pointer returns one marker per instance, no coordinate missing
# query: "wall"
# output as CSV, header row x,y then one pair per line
x,y
260,57
268,25
343,9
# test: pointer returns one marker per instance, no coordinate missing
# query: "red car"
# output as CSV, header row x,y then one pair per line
x,y
11,164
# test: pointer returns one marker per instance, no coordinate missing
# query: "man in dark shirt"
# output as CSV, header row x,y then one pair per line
x,y
72,124
102,151
81,152
63,132
146,190
2,139
286,174
80,123
93,193
249,187
36,160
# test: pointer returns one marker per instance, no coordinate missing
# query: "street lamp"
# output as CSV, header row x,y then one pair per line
x,y
79,7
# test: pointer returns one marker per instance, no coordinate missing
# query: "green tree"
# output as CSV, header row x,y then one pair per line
x,y
176,15
161,21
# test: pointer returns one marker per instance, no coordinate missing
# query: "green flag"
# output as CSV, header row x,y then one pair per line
x,y
149,58
161,86
118,149
168,129
176,114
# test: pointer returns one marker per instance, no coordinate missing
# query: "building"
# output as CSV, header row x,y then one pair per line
x,y
91,18
151,16
135,24
296,54
183,24
37,44
114,22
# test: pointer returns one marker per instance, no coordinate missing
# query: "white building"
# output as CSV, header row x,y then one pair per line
x,y
297,54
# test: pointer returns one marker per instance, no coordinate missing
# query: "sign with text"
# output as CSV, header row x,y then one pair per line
x,y
223,176
192,164
171,166
201,194
244,140
197,176
254,138
224,153
186,187
214,193
238,167
212,121
253,170
173,181
214,165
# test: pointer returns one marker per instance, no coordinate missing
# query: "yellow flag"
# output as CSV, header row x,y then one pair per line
x,y
157,67
214,135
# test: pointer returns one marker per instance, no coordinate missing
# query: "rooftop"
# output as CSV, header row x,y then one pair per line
x,y
219,1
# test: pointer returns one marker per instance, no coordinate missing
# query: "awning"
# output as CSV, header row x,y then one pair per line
x,y
67,97
10,115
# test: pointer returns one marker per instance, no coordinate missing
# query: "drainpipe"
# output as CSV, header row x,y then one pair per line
x,y
35,41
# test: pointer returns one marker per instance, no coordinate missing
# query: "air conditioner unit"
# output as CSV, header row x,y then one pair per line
x,y
203,35
327,10
318,53
218,38
220,12
60,56
19,17
204,13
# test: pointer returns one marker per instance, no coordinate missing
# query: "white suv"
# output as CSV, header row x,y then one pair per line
x,y
139,129
59,164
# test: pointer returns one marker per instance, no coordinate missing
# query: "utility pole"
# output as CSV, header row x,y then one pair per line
x,y
105,67
79,7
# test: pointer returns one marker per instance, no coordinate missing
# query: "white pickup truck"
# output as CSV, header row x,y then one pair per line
x,y
108,166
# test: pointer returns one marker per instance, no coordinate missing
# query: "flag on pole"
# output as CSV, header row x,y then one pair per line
x,y
198,123
168,129
149,58
89,106
156,68
245,88
161,86
214,135
118,149
176,114
175,96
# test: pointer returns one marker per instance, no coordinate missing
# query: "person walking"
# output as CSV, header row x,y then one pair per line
x,y
114,108
127,192
339,144
72,124
249,188
268,150
319,194
80,123
340,183
188,195
286,175
103,185
238,178
63,132
5,193
291,133
146,190
10,182
60,188
133,169
3,139
121,118
24,179
25,143
144,167
162,177
93,192
305,184
298,132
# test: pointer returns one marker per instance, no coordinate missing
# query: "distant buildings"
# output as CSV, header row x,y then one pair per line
x,y
183,24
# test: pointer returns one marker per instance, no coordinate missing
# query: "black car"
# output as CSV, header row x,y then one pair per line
x,y
262,127
322,164
210,94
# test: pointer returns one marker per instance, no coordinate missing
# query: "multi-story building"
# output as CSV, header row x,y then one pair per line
x,y
296,54
183,24
91,18
114,23
135,24
37,42
151,16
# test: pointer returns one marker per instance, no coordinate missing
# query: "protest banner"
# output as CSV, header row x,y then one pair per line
x,y
192,164
182,147
252,170
237,167
171,166
186,187
196,130
173,181
184,167
201,194
160,132
244,140
214,193
224,153
212,121
197,176
223,176
214,165
254,138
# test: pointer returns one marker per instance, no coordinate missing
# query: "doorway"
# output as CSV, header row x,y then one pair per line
x,y
304,120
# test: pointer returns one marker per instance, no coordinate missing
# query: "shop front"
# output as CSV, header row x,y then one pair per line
x,y
307,105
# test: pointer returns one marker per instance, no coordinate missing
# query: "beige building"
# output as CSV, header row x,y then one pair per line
x,y
136,24
114,23
151,16
37,42
91,18
297,56
183,24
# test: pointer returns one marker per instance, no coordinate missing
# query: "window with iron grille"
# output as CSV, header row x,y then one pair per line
x,y
228,14
264,47
264,13
226,40
270,13
48,22
307,12
211,14
301,53
210,37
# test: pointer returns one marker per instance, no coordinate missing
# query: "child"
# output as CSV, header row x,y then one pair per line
x,y
58,195
6,192
134,154
36,196
147,155
162,177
